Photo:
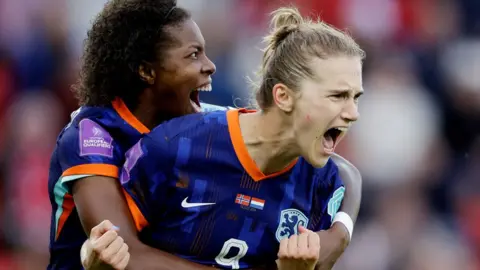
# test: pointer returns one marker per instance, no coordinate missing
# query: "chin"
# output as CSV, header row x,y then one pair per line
x,y
321,163
318,160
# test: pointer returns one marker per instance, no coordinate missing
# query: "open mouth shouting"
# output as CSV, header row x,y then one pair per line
x,y
195,95
332,137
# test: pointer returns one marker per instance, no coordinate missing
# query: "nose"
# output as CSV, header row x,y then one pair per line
x,y
209,67
350,112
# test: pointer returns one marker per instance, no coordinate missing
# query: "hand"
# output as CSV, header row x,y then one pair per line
x,y
334,242
104,249
299,252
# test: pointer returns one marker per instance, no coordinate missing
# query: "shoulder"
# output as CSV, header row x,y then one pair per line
x,y
345,168
84,119
86,138
86,132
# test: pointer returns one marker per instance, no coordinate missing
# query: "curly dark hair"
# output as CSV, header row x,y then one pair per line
x,y
123,36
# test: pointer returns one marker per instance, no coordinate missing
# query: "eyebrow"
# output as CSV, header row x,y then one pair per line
x,y
343,91
196,45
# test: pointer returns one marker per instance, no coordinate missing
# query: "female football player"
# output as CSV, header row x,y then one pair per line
x,y
239,189
144,63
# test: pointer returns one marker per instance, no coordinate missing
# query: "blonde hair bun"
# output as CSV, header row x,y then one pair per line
x,y
285,21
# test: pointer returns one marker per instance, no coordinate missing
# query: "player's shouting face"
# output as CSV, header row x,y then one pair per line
x,y
312,75
326,105
183,72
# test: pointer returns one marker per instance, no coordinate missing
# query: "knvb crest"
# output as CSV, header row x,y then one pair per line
x,y
288,223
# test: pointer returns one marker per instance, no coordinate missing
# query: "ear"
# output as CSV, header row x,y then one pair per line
x,y
147,73
283,97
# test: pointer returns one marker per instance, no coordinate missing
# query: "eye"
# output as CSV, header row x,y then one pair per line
x,y
339,96
355,99
194,55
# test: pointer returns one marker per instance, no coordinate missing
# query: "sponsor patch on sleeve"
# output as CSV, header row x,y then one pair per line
x,y
94,140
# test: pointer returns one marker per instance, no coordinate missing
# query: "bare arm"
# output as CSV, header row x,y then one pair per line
x,y
335,240
353,186
99,198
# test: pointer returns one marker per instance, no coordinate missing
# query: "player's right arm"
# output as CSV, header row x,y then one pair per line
x,y
137,170
89,159
90,176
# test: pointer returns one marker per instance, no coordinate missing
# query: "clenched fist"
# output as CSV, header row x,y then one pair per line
x,y
299,252
104,248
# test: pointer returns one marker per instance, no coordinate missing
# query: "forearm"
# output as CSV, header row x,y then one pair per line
x,y
334,242
99,199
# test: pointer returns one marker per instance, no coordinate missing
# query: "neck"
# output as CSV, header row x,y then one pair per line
x,y
143,115
147,112
269,139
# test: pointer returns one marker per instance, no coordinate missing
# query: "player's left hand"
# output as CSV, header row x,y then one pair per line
x,y
334,242
299,252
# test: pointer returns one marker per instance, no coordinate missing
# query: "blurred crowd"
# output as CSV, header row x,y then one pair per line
x,y
417,143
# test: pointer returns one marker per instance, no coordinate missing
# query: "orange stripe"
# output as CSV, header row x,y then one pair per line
x,y
139,219
241,149
128,116
96,169
68,205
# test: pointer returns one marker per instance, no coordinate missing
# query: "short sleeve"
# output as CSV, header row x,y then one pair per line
x,y
329,197
86,150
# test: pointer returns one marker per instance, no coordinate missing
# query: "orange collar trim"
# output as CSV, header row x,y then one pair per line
x,y
241,149
128,116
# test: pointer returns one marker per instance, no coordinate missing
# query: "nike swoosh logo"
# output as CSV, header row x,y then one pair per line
x,y
186,204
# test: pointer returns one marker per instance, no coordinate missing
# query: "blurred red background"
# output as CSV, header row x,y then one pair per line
x,y
417,143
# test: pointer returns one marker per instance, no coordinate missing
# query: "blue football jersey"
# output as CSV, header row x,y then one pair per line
x,y
93,143
198,194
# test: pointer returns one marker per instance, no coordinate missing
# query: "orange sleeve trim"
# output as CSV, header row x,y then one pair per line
x,y
68,205
139,219
241,149
128,116
95,169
